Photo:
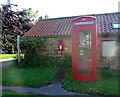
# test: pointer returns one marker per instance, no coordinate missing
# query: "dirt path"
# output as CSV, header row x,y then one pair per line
x,y
59,76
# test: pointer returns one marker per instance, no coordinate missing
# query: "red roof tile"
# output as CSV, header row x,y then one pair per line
x,y
59,26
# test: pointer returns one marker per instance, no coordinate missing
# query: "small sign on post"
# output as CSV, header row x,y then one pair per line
x,y
18,47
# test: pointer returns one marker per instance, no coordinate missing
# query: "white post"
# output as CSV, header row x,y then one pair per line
x,y
18,47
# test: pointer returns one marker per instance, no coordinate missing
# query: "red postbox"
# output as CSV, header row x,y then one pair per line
x,y
60,45
84,45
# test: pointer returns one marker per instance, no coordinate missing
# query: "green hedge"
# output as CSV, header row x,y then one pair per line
x,y
46,61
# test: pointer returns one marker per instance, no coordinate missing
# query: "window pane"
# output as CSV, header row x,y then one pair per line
x,y
111,52
116,25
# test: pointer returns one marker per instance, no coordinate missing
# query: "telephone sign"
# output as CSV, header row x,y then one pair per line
x,y
84,45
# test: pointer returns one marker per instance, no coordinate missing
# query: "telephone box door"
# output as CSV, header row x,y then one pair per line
x,y
84,43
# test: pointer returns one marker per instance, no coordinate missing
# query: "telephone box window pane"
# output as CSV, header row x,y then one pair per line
x,y
84,55
85,43
83,71
83,66
83,32
84,61
85,49
83,35
109,49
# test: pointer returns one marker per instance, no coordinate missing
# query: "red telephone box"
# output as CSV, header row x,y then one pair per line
x,y
84,45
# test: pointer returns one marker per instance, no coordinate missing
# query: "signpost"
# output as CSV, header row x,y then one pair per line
x,y
84,45
18,47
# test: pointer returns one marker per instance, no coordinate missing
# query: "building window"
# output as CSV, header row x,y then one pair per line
x,y
116,25
109,48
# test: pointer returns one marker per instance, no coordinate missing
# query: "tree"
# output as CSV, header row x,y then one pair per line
x,y
13,23
34,16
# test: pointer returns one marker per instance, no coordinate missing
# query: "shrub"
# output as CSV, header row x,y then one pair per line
x,y
107,73
34,47
46,61
67,62
31,45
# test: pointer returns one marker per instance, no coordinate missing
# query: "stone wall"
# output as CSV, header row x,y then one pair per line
x,y
111,62
51,44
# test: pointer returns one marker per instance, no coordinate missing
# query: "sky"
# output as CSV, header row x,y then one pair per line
x,y
65,8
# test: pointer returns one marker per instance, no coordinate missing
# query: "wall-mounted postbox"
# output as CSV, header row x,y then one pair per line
x,y
84,45
60,45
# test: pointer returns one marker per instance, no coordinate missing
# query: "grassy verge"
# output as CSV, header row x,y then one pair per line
x,y
106,84
33,77
4,56
8,93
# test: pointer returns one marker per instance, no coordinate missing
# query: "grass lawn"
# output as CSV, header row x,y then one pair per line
x,y
33,77
106,84
15,94
4,56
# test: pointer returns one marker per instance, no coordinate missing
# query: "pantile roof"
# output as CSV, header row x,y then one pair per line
x,y
59,26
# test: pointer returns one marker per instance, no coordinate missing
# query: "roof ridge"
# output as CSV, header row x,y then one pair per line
x,y
79,16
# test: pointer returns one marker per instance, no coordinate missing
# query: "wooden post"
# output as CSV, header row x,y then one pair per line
x,y
18,47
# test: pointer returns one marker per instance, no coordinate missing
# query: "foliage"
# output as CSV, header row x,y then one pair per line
x,y
103,86
33,16
45,61
4,56
106,73
67,60
33,77
13,23
41,17
32,46
10,93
